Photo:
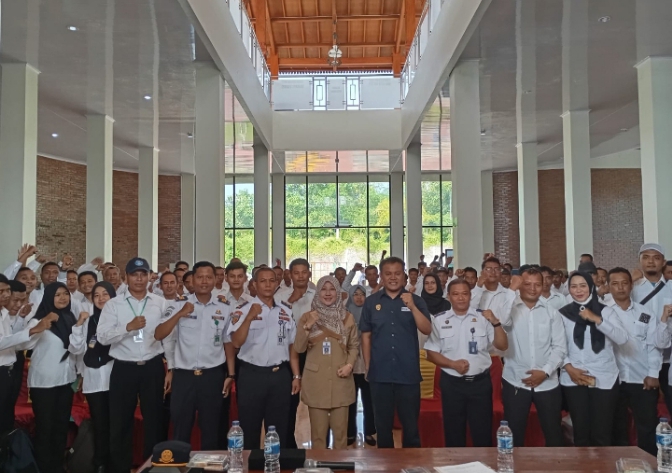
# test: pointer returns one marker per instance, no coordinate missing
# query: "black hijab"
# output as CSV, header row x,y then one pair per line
x,y
97,354
572,311
436,303
62,328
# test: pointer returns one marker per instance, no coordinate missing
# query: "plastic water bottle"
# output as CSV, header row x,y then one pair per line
x,y
236,442
359,443
272,451
664,443
504,448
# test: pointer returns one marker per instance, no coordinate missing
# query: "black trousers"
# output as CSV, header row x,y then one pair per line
x,y
663,378
264,396
129,381
405,398
361,385
6,404
467,401
644,407
52,408
517,403
197,392
296,398
592,412
99,406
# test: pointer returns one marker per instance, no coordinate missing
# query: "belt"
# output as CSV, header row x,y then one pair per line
x,y
470,379
264,369
139,363
199,371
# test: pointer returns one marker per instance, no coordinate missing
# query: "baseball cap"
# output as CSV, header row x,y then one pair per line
x,y
137,264
588,267
652,246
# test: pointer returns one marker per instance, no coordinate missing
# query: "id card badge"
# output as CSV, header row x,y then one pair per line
x,y
326,347
92,342
473,348
140,337
217,340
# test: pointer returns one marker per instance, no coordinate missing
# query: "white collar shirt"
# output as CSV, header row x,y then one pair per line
x,y
642,354
136,345
223,291
236,302
270,336
46,368
95,380
601,365
498,301
641,289
451,335
536,342
197,341
10,340
301,306
35,297
555,300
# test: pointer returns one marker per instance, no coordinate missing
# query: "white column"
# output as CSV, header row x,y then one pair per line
x,y
413,203
465,130
526,126
654,77
18,158
262,212
99,158
187,217
397,206
209,162
488,212
148,205
279,245
576,131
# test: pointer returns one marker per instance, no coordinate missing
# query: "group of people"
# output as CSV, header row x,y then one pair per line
x,y
592,342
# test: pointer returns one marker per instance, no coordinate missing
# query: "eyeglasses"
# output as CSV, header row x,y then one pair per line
x,y
492,270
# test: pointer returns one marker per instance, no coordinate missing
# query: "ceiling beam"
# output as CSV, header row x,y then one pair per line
x,y
270,28
259,8
312,19
409,21
400,25
329,45
318,63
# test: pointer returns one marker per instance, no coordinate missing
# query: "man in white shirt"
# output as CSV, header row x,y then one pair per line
x,y
413,276
236,274
537,347
196,339
127,323
27,276
553,300
221,284
71,281
460,345
299,299
370,274
639,361
168,286
489,294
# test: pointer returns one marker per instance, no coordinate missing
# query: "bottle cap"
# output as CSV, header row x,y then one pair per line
x,y
235,422
271,428
504,423
663,420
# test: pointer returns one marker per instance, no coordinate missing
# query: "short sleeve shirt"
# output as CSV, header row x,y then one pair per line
x,y
395,350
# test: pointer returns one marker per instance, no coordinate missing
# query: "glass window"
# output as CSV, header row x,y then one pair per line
x,y
352,204
437,222
239,218
321,204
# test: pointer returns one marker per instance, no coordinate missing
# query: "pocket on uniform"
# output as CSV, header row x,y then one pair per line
x,y
314,367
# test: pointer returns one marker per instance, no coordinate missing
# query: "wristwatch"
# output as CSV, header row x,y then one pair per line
x,y
297,376
498,324
231,376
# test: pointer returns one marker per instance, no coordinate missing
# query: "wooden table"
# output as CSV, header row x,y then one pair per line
x,y
568,459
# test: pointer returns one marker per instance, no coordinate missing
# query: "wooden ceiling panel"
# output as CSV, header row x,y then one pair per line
x,y
300,32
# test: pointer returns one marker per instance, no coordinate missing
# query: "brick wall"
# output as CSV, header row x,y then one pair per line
x,y
61,212
617,217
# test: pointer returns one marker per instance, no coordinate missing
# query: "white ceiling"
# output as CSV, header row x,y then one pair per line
x,y
126,49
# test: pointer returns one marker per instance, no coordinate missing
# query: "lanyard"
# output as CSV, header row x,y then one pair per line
x,y
142,311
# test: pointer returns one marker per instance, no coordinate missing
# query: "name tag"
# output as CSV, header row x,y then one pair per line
x,y
217,317
405,309
644,318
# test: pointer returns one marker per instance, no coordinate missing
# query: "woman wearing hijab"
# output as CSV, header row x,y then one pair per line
x,y
589,377
329,336
356,298
96,372
432,294
51,374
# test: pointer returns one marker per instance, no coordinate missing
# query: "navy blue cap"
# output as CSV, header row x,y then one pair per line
x,y
137,264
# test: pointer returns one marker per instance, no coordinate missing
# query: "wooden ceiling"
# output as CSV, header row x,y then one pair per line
x,y
296,35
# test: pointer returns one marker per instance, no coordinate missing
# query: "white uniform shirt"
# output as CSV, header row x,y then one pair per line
x,y
95,380
451,335
197,342
46,368
536,342
117,313
641,289
9,338
601,365
236,302
303,305
498,301
642,354
555,301
269,337
223,291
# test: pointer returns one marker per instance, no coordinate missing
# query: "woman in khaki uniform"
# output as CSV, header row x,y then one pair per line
x,y
329,335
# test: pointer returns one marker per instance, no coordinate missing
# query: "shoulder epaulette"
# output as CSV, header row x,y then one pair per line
x,y
181,298
240,306
286,304
223,300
